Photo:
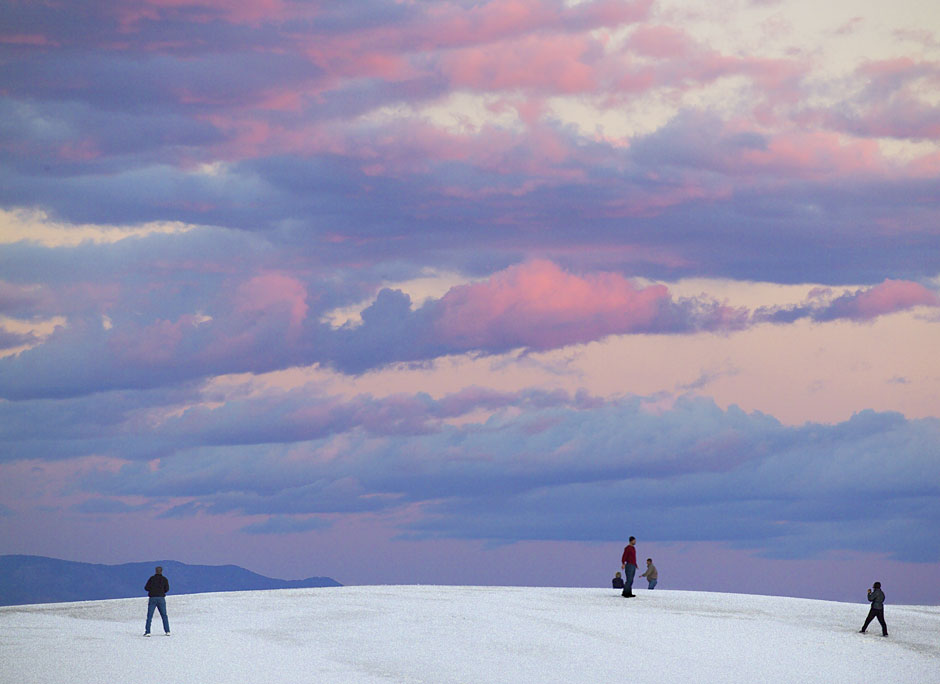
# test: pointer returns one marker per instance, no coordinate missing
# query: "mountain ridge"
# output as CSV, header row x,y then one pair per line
x,y
26,579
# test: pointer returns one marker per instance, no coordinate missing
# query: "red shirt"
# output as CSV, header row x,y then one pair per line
x,y
629,555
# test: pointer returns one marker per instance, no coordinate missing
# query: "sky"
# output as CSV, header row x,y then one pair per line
x,y
470,292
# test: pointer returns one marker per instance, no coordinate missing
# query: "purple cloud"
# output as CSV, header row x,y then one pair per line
x,y
693,472
892,104
280,524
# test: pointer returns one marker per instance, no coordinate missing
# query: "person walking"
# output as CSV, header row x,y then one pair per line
x,y
877,598
157,588
651,575
628,563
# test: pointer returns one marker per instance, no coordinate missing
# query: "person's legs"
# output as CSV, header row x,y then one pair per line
x,y
871,616
161,606
151,605
881,618
628,579
652,584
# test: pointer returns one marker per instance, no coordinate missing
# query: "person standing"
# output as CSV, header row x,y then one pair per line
x,y
628,562
877,598
651,575
157,588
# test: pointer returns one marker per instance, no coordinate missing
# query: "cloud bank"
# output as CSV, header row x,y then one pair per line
x,y
566,467
271,321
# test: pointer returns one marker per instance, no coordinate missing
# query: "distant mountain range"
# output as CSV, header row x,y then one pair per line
x,y
37,579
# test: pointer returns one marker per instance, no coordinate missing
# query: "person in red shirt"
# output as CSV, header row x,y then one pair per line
x,y
628,562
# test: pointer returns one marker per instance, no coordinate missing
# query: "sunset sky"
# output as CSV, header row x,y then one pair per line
x,y
417,291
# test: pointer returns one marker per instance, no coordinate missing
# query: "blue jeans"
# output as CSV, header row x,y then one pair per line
x,y
158,603
652,584
630,572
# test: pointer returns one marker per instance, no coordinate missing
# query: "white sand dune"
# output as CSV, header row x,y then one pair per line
x,y
467,634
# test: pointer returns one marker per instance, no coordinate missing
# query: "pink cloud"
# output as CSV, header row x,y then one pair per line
x,y
31,39
927,165
652,201
813,155
903,117
866,304
629,79
501,18
777,79
661,41
888,68
251,136
79,150
264,315
538,305
889,297
680,61
612,13
448,24
96,297
503,43
538,156
273,291
156,343
893,104
553,63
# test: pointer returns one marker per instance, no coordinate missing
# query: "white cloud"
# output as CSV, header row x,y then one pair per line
x,y
33,225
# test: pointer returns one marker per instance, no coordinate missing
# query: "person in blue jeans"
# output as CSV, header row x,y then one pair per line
x,y
628,563
157,588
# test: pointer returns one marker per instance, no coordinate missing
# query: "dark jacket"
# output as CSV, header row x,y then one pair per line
x,y
157,586
618,582
877,598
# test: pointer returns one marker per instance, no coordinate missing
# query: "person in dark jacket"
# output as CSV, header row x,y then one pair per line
x,y
877,598
618,581
157,588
